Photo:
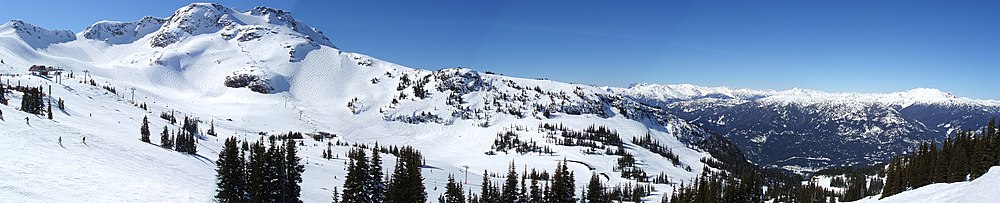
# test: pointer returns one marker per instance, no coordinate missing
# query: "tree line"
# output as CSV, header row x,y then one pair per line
x,y
964,155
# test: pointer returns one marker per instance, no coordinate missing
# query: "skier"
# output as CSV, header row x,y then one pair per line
x,y
26,121
84,139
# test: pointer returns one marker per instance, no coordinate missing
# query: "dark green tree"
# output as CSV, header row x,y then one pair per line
x,y
378,186
509,192
536,192
293,173
453,192
407,182
229,174
165,141
358,178
259,174
595,191
563,189
144,130
488,191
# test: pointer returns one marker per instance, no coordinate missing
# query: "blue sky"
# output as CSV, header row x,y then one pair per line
x,y
836,46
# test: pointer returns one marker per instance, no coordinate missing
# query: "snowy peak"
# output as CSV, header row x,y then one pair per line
x,y
281,17
927,93
798,95
206,18
688,91
34,36
200,16
114,32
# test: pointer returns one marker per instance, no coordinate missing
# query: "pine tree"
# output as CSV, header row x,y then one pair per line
x,y
229,177
258,173
407,182
509,193
453,191
277,171
958,159
536,192
487,191
856,189
144,130
595,191
891,178
31,101
378,186
211,129
293,174
523,196
563,189
3,95
357,180
336,195
329,150
165,139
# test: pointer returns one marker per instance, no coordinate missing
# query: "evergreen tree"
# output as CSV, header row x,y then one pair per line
x,y
336,195
3,95
893,183
211,129
536,192
488,191
407,182
856,189
957,170
509,193
563,189
595,191
293,174
31,101
229,177
523,196
165,139
357,180
378,186
144,130
453,192
276,170
258,174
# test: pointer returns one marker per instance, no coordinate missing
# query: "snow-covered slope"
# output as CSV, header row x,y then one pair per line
x,y
982,189
262,71
805,130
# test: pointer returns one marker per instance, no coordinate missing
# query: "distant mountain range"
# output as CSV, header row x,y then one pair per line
x,y
806,130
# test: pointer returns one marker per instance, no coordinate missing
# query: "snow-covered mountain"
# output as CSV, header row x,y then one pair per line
x,y
804,130
34,36
263,72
